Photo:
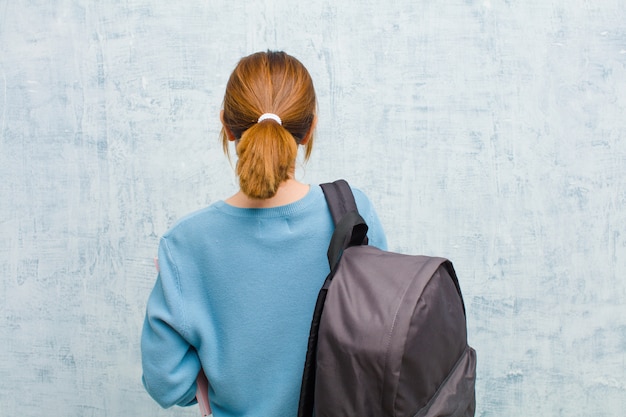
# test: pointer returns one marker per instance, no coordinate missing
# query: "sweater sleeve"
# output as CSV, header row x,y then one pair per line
x,y
170,364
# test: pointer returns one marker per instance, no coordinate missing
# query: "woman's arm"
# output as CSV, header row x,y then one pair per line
x,y
170,363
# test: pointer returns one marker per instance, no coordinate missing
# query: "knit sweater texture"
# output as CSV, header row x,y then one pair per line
x,y
234,295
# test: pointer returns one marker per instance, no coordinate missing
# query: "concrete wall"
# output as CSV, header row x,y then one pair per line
x,y
492,132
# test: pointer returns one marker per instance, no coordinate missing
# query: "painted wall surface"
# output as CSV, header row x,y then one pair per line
x,y
491,132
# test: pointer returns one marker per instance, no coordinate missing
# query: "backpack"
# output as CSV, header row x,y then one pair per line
x,y
388,335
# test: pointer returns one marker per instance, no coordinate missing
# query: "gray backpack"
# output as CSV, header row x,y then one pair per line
x,y
388,335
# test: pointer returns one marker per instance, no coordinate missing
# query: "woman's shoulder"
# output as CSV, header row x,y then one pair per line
x,y
362,200
194,220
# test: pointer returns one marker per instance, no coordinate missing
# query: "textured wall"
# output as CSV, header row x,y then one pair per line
x,y
491,132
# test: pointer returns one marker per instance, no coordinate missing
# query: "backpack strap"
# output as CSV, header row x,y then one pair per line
x,y
350,230
340,200
306,404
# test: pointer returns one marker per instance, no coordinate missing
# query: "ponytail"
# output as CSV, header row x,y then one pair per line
x,y
267,143
267,152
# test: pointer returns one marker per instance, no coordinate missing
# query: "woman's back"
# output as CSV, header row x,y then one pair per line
x,y
238,280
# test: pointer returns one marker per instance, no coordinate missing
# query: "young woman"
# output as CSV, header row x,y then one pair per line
x,y
238,280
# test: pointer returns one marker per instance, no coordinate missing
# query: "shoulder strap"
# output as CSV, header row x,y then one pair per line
x,y
340,201
350,230
339,198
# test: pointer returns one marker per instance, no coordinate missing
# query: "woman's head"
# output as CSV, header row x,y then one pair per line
x,y
275,83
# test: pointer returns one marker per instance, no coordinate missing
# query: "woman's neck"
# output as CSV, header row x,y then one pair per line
x,y
288,192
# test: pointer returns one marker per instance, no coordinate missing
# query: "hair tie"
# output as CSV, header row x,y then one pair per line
x,y
272,116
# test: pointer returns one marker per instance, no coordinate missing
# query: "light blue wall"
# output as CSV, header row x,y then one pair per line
x,y
491,132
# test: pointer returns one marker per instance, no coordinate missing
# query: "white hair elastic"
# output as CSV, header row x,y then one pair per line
x,y
272,116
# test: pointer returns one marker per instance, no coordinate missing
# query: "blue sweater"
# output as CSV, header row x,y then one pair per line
x,y
235,294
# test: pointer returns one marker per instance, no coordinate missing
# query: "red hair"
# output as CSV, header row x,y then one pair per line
x,y
268,82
